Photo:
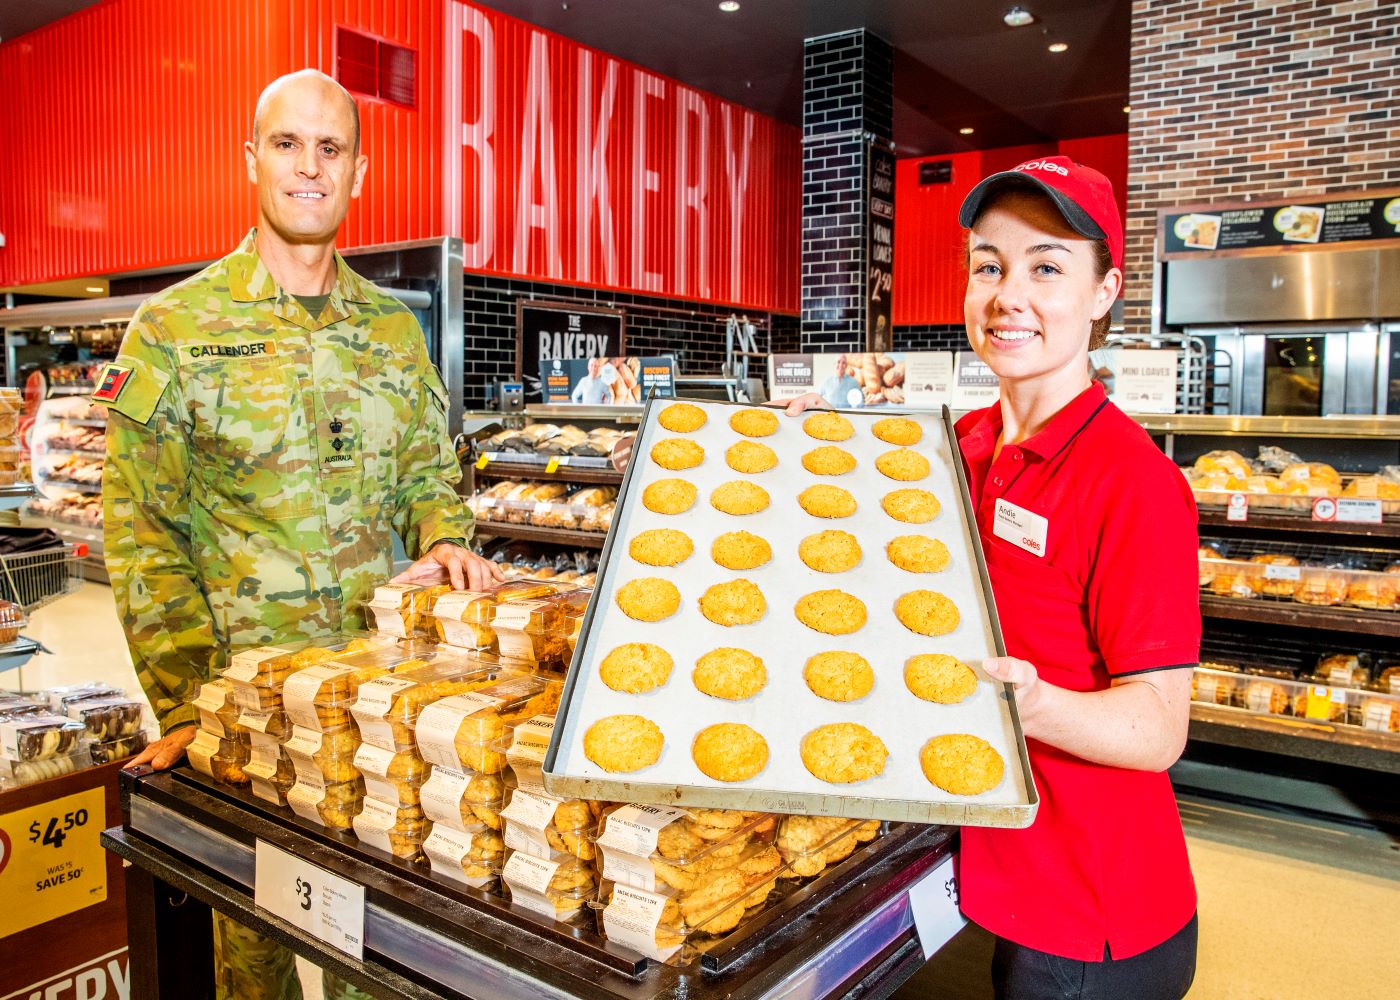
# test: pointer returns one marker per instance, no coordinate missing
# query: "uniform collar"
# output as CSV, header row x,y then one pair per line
x,y
249,280
982,429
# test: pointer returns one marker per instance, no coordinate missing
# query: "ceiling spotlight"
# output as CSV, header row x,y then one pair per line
x,y
966,130
1018,17
1058,47
1127,109
729,6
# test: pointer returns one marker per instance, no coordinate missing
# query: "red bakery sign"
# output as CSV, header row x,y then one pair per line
x,y
569,165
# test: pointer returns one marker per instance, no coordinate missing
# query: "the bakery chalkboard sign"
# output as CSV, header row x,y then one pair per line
x,y
1332,222
880,262
548,330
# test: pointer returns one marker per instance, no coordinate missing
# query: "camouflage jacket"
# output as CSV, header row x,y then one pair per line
x,y
258,460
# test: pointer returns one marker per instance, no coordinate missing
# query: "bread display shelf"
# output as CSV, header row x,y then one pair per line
x,y
1298,521
71,484
531,533
567,471
1309,739
1290,613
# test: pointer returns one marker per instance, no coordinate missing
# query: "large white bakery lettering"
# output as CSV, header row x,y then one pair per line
x,y
104,978
667,166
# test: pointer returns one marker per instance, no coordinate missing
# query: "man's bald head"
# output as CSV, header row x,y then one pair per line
x,y
303,78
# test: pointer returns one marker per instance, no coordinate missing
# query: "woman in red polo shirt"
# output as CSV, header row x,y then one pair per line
x,y
1090,538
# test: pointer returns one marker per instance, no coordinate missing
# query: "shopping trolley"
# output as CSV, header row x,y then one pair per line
x,y
34,579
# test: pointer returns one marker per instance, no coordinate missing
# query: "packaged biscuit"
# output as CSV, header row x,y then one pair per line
x,y
465,618
38,737
108,718
218,714
393,829
525,750
462,800
386,708
326,756
320,697
220,759
667,848
393,777
538,631
26,772
106,751
272,723
465,731
330,805
472,855
558,889
399,609
59,698
811,844
548,827
258,674
270,771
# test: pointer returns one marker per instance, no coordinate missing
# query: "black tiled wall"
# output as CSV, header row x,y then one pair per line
x,y
933,337
847,98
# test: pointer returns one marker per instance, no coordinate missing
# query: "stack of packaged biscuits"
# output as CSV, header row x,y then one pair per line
x,y
11,453
673,879
526,622
36,743
221,747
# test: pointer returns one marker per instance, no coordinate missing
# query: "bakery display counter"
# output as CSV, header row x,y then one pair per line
x,y
850,931
1292,615
1216,517
503,465
1328,742
552,536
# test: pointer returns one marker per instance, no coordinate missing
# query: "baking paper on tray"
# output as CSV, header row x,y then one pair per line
x,y
786,709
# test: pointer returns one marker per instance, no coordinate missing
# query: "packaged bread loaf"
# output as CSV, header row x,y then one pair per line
x,y
1280,575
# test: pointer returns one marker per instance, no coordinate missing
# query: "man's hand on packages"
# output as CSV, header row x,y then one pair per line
x,y
448,562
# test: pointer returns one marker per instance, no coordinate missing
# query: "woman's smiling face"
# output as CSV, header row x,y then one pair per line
x,y
1032,291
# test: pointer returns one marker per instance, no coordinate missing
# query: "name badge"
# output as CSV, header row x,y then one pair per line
x,y
1023,528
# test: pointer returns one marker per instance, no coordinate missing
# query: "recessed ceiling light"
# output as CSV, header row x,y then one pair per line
x,y
1127,108
1058,47
1018,17
966,130
95,288
729,6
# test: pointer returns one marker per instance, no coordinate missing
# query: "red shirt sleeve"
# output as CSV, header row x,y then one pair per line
x,y
1143,596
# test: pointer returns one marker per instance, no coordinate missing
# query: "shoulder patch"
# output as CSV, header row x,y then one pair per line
x,y
113,380
131,387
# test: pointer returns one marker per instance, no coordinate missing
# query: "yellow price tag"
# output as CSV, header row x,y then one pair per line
x,y
1319,703
553,465
51,862
483,461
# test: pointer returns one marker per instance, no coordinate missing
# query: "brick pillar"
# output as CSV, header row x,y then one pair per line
x,y
1233,100
847,100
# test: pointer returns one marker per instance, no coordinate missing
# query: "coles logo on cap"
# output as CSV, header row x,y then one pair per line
x,y
1049,165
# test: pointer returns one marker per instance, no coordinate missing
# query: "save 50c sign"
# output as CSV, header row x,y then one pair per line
x,y
573,166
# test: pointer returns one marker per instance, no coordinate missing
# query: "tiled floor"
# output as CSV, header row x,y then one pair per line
x,y
1289,908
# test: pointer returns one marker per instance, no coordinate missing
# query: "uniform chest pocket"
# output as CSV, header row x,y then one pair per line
x,y
253,448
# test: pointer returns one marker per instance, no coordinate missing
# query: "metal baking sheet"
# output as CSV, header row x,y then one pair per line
x,y
785,710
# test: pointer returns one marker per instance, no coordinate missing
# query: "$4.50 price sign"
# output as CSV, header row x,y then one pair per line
x,y
321,903
51,862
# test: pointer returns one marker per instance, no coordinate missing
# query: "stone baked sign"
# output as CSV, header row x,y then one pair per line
x,y
1333,222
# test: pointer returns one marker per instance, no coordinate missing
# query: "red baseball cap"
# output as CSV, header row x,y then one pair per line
x,y
1082,194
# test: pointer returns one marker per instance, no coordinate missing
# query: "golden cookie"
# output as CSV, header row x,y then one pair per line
x,y
911,506
834,612
648,599
927,612
830,551
636,667
828,460
730,751
940,678
737,602
669,496
739,497
897,430
827,501
750,456
740,550
843,752
917,553
682,418
839,676
623,743
661,547
677,453
902,464
729,673
961,764
828,426
754,423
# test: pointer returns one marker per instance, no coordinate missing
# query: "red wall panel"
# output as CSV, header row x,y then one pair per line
x,y
930,271
127,122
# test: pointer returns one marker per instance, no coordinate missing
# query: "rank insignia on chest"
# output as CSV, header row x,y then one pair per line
x,y
111,382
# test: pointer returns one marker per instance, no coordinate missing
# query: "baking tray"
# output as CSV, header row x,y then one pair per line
x,y
786,709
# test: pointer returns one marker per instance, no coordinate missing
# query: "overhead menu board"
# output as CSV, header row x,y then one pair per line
x,y
1331,222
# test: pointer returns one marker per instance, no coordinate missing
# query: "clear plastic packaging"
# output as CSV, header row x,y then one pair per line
x,y
118,748
393,777
538,631
330,805
272,723
667,849
472,855
258,674
320,697
26,772
400,609
464,800
13,704
811,844
525,750
220,759
550,828
465,731
1283,577
393,829
558,889
386,708
218,712
12,619
270,771
1343,670
59,698
464,618
325,756
38,737
108,718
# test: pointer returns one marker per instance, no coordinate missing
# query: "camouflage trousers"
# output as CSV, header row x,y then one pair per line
x,y
248,966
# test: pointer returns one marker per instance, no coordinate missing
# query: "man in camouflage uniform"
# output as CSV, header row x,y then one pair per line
x,y
273,422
